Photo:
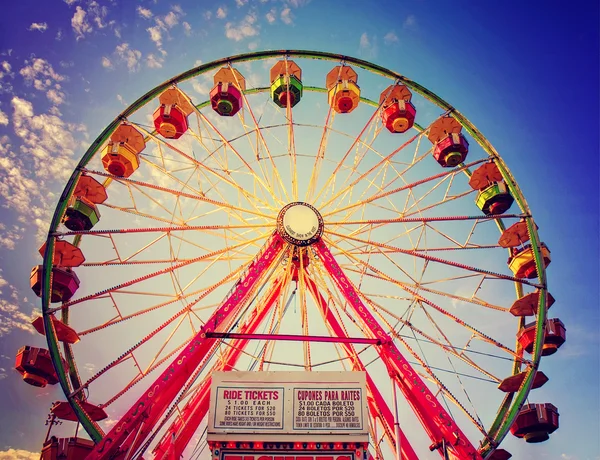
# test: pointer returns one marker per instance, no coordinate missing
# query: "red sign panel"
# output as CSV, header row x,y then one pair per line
x,y
287,455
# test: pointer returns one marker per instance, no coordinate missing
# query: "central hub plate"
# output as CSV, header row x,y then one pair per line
x,y
300,224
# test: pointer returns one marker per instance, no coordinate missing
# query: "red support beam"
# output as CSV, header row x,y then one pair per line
x,y
435,419
377,404
153,403
179,434
293,338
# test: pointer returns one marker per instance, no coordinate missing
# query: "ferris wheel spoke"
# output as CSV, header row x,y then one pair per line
x,y
319,157
277,178
218,204
445,346
341,162
226,178
404,187
397,220
423,287
378,166
423,256
151,275
228,145
169,229
420,298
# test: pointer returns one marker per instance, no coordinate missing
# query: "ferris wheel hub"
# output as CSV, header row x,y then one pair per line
x,y
300,224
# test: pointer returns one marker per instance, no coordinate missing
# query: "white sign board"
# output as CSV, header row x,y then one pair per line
x,y
288,404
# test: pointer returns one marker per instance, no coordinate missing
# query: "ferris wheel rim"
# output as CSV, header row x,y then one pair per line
x,y
511,408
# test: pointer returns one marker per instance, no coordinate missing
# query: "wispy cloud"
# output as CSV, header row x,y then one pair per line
x,y
271,16
11,318
144,12
245,28
80,24
106,63
410,22
221,12
367,46
40,74
129,55
286,15
40,26
163,24
154,62
18,454
390,38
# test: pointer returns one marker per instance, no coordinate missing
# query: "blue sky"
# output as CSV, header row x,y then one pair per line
x,y
525,74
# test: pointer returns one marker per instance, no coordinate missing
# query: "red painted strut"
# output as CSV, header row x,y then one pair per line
x,y
434,418
183,428
143,415
292,338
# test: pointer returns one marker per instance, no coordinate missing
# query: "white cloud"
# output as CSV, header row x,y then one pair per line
x,y
390,38
6,67
154,62
155,35
245,28
8,239
252,46
41,26
187,28
55,96
221,12
364,41
44,160
240,3
171,19
106,63
59,35
367,46
130,56
410,22
98,14
20,454
70,2
3,118
41,75
207,15
11,318
271,16
79,23
144,12
286,15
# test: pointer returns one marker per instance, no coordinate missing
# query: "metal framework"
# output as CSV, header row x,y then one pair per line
x,y
255,252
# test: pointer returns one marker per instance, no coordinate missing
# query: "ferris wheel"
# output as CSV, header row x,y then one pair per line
x,y
293,211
